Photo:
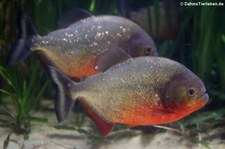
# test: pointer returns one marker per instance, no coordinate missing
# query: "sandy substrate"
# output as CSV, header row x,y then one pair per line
x,y
46,136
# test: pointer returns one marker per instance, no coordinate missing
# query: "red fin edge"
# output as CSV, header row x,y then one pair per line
x,y
104,127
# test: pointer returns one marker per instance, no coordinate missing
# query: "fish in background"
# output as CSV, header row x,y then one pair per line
x,y
80,49
159,18
139,91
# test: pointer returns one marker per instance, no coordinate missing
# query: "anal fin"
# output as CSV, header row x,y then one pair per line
x,y
104,127
64,101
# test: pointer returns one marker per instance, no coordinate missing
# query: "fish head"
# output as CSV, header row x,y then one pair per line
x,y
185,93
140,45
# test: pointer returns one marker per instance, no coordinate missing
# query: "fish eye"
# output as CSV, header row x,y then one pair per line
x,y
148,50
191,91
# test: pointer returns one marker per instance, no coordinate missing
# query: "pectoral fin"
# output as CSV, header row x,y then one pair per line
x,y
111,57
104,127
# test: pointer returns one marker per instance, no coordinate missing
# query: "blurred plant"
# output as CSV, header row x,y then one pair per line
x,y
207,51
20,96
7,18
221,59
213,116
79,119
9,140
206,39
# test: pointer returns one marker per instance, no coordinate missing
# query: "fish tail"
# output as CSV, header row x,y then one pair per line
x,y
64,101
21,48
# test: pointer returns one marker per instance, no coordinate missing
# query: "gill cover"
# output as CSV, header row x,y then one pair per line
x,y
182,91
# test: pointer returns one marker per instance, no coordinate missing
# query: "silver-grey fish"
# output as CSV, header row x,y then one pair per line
x,y
81,48
139,91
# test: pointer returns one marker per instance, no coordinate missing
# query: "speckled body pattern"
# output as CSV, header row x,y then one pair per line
x,y
76,48
132,92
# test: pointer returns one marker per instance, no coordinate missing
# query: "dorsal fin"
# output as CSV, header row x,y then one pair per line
x,y
111,57
72,16
104,127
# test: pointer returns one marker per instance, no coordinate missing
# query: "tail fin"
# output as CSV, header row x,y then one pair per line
x,y
22,46
64,102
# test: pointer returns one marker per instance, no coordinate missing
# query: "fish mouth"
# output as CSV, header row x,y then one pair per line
x,y
204,97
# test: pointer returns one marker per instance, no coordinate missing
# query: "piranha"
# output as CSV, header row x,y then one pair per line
x,y
138,91
79,49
